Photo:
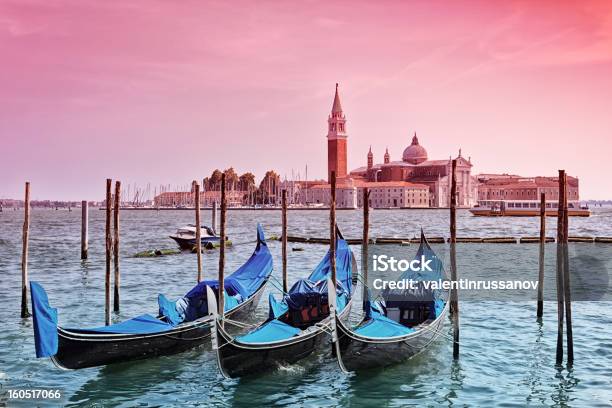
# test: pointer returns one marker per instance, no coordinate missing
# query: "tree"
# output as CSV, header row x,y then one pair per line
x,y
231,178
215,180
269,188
246,182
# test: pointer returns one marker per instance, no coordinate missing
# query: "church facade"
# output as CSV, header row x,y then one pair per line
x,y
415,175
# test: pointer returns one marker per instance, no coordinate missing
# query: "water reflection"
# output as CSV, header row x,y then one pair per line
x,y
537,366
126,381
562,394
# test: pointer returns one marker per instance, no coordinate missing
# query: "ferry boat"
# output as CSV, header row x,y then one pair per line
x,y
525,208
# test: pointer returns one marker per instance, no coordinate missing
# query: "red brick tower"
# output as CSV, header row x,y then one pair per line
x,y
336,140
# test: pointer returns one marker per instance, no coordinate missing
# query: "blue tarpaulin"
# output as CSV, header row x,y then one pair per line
x,y
381,326
239,286
274,330
45,322
143,324
313,290
277,308
344,266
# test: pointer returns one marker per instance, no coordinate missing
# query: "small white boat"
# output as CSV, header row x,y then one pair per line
x,y
185,237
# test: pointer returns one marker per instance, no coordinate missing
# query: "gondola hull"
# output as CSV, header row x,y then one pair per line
x,y
81,350
359,353
237,359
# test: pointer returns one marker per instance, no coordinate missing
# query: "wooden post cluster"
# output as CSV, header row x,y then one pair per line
x,y
222,247
365,240
84,227
117,274
564,301
284,241
198,239
24,253
454,306
332,227
109,247
559,276
540,307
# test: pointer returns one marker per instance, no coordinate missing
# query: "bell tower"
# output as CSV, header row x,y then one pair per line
x,y
336,140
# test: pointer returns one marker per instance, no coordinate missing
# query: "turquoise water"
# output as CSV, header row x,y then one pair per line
x,y
507,358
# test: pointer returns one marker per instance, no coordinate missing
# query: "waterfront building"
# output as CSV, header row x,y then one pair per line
x,y
415,167
207,198
513,195
513,187
406,175
391,194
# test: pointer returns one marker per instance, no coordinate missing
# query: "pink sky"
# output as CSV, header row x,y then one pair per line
x,y
164,92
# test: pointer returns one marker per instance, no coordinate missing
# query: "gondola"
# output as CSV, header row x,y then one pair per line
x,y
179,326
397,328
296,324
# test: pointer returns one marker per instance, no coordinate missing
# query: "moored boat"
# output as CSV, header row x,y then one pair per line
x,y
397,328
179,326
185,237
525,208
296,325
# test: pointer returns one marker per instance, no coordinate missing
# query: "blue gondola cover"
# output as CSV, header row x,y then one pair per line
x,y
277,308
239,286
45,322
143,324
274,330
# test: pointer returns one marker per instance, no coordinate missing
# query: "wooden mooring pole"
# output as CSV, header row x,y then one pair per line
x,y
332,227
540,307
213,221
222,247
284,242
198,243
454,306
24,253
84,226
365,240
559,277
117,274
566,278
109,247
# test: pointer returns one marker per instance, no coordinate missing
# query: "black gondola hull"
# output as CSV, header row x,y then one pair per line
x,y
359,353
77,350
241,361
238,359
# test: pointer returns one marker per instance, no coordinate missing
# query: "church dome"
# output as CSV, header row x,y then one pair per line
x,y
415,153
